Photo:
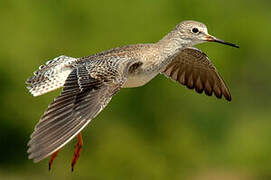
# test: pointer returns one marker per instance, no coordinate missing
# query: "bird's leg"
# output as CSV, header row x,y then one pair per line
x,y
78,150
52,159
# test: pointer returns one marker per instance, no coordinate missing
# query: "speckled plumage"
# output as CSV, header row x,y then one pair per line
x,y
90,82
51,76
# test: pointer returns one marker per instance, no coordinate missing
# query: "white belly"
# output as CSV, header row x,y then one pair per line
x,y
138,80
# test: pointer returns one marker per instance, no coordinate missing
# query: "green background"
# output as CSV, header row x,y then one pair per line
x,y
161,130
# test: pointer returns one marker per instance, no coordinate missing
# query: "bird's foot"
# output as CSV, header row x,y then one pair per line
x,y
52,159
77,152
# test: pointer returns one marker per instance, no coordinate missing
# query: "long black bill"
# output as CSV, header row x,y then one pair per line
x,y
214,39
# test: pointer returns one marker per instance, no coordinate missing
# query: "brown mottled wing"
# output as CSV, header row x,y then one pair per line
x,y
82,98
193,69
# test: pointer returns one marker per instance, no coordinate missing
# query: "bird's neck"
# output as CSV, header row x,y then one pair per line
x,y
169,47
172,42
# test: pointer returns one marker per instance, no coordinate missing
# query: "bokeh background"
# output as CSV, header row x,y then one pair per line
x,y
161,130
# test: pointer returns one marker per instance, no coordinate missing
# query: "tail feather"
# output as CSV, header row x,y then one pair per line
x,y
51,76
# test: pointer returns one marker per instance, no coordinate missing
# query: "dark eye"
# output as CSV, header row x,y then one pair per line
x,y
195,30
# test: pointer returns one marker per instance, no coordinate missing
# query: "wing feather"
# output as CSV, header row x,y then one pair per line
x,y
82,98
193,69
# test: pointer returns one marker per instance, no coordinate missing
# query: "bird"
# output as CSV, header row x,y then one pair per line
x,y
90,82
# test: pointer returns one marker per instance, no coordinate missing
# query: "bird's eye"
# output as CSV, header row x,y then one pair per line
x,y
195,30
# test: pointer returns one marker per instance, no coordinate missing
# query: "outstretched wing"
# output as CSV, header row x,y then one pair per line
x,y
193,69
84,95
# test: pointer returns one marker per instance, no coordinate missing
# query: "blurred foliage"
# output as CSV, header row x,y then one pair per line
x,y
158,131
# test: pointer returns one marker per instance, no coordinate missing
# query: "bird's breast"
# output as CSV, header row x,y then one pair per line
x,y
140,79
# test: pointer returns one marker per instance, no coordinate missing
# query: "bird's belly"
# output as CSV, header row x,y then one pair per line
x,y
138,80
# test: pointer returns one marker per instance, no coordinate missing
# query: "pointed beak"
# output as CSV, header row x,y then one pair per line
x,y
210,38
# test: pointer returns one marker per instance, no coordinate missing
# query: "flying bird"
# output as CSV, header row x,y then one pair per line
x,y
90,82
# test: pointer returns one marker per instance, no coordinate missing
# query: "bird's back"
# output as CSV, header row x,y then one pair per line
x,y
53,74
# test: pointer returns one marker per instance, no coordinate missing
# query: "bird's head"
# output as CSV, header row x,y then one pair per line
x,y
193,32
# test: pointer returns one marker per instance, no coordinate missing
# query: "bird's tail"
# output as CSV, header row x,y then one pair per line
x,y
51,76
